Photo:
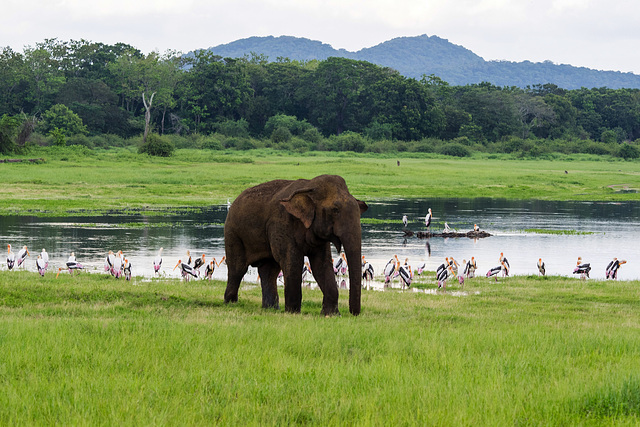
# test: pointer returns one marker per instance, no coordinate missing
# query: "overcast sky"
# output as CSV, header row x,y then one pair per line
x,y
600,34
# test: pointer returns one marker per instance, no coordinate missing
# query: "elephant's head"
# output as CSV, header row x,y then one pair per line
x,y
331,213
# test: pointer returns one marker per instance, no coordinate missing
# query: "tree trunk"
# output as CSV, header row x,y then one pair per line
x,y
147,115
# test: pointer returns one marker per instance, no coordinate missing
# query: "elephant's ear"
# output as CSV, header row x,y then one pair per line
x,y
301,206
363,206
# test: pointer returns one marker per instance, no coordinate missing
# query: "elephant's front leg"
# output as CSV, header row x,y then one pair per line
x,y
323,273
293,286
268,272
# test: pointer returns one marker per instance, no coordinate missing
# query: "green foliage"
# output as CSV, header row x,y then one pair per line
x,y
58,136
8,131
233,128
60,117
628,151
281,135
454,149
157,145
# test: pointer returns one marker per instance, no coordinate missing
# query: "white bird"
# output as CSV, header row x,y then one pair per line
x,y
446,228
405,273
470,268
582,268
108,262
22,255
405,221
117,265
45,257
72,264
494,271
11,258
199,262
421,268
340,265
157,262
390,269
186,270
505,263
40,265
612,268
367,272
476,228
541,269
427,220
127,269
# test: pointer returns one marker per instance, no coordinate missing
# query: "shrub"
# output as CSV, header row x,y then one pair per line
x,y
157,145
350,141
598,148
455,149
628,151
212,143
280,135
312,134
291,123
234,128
62,118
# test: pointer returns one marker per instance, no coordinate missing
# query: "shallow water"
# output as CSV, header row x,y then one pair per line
x,y
614,227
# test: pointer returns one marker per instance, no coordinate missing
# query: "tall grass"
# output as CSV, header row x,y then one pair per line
x,y
91,350
75,179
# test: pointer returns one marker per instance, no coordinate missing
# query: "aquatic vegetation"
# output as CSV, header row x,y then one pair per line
x,y
560,232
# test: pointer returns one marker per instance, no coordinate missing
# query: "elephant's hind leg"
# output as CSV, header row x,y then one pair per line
x,y
269,271
236,269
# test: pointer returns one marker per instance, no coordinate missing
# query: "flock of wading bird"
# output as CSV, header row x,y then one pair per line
x,y
116,264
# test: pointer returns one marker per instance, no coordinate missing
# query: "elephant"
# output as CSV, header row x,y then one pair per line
x,y
274,225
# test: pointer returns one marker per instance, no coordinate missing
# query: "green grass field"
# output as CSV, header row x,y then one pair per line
x,y
73,179
90,350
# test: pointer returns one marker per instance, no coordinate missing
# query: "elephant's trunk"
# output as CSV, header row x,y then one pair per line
x,y
353,251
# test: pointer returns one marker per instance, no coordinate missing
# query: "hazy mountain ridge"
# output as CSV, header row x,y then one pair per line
x,y
424,55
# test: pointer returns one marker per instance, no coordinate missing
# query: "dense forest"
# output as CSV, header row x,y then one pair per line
x,y
93,94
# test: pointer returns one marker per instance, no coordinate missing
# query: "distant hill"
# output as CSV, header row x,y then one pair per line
x,y
424,55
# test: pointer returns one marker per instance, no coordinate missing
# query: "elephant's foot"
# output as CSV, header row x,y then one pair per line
x,y
273,303
329,312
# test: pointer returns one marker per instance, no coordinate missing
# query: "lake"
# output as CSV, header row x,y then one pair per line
x,y
604,230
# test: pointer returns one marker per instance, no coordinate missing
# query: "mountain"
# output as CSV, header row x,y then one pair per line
x,y
424,55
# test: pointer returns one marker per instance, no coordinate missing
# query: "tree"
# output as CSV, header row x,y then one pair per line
x,y
62,118
8,130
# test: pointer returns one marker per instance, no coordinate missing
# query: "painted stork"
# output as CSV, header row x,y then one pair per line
x,y
306,272
367,272
541,268
45,257
188,258
612,269
208,271
118,265
582,269
72,264
390,269
199,262
405,273
470,268
22,255
447,229
157,262
476,228
11,258
442,274
427,220
421,268
41,265
127,269
505,265
186,270
340,265
108,262
495,270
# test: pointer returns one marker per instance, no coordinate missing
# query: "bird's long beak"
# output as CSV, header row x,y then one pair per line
x,y
59,269
179,261
28,254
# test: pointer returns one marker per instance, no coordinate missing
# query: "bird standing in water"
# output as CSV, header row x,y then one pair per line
x,y
427,220
157,262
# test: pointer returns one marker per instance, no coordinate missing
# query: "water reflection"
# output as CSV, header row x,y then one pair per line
x,y
614,227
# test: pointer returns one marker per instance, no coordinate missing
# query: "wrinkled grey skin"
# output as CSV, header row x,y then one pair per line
x,y
274,225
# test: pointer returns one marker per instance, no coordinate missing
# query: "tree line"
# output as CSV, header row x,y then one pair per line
x,y
62,89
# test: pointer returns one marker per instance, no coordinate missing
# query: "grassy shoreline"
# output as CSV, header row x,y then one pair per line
x,y
77,181
89,349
